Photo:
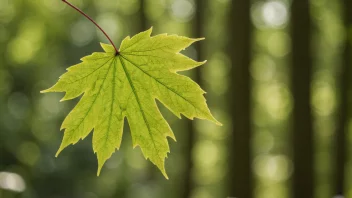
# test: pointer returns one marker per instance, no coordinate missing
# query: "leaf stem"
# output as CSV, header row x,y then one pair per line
x,y
89,18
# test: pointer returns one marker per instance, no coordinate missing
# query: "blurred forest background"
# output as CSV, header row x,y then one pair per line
x,y
278,77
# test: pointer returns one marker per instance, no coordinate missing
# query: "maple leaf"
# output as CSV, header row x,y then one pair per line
x,y
125,85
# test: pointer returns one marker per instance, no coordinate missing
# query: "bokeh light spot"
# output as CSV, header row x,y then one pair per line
x,y
54,6
111,25
279,44
182,10
12,181
216,72
26,44
263,68
82,33
274,13
155,9
323,97
28,153
206,150
263,142
277,100
127,7
276,168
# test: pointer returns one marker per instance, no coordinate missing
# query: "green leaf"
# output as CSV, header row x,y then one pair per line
x,y
116,87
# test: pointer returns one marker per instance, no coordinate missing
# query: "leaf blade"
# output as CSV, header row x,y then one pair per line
x,y
126,85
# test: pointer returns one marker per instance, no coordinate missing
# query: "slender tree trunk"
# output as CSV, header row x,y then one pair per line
x,y
303,184
345,87
241,182
191,134
142,18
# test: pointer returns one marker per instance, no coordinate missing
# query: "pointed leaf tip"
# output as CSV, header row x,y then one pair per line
x,y
218,123
164,173
107,48
46,90
99,170
199,39
57,154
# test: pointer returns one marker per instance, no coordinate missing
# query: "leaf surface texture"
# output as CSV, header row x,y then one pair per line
x,y
115,87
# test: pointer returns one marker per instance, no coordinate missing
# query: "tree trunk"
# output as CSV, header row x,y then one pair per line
x,y
241,181
303,184
191,132
142,18
345,87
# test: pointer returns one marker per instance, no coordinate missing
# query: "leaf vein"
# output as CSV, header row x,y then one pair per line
x,y
139,104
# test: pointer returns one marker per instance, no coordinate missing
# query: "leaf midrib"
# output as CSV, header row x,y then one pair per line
x,y
112,101
139,104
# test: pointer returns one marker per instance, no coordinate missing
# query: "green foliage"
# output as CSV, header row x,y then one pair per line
x,y
126,85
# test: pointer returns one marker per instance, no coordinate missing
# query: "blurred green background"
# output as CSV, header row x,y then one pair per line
x,y
39,39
